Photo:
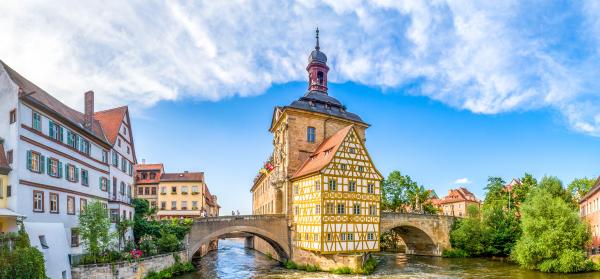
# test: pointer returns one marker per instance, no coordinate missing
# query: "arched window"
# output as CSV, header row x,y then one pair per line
x,y
320,77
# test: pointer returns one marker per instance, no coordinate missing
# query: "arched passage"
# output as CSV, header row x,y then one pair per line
x,y
196,241
417,241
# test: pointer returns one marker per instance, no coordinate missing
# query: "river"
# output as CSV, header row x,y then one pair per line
x,y
233,261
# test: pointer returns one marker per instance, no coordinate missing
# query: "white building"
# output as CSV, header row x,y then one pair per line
x,y
60,159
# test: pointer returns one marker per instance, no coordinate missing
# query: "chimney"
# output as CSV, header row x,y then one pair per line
x,y
185,171
143,161
88,117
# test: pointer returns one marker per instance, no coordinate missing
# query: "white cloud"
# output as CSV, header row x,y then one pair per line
x,y
462,181
484,57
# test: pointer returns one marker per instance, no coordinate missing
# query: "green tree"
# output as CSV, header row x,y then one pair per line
x,y
554,187
122,227
554,237
502,228
393,194
579,187
468,236
418,197
521,191
94,227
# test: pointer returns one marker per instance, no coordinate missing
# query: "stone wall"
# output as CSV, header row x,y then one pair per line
x,y
327,262
127,270
262,246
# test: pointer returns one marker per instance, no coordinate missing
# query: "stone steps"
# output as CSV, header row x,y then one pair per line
x,y
401,259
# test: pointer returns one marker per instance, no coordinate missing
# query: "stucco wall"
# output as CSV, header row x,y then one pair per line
x,y
127,270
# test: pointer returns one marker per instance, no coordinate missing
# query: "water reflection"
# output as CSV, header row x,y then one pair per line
x,y
232,261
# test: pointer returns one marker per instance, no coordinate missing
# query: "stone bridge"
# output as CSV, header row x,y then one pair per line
x,y
272,228
422,234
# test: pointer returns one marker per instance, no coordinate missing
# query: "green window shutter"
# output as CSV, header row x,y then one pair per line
x,y
52,128
69,138
100,182
60,135
60,173
76,174
29,159
42,164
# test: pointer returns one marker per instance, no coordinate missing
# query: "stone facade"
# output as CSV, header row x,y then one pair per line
x,y
127,270
328,262
427,235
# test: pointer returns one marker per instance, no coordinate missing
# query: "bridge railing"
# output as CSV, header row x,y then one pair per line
x,y
415,215
238,217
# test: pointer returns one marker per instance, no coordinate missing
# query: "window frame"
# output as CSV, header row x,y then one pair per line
x,y
35,121
311,134
12,116
50,195
85,179
82,205
71,198
41,201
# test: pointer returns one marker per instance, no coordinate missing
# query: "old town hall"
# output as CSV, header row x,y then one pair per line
x,y
320,174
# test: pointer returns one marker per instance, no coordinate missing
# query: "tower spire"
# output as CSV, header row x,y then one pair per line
x,y
317,46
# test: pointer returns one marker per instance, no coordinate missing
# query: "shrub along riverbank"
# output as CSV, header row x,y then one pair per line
x,y
368,267
536,225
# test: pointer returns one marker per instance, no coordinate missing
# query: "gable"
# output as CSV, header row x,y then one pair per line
x,y
353,154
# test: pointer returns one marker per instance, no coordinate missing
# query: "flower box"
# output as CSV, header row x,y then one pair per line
x,y
163,193
195,193
184,193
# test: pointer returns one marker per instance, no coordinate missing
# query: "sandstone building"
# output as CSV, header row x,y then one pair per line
x,y
456,202
320,174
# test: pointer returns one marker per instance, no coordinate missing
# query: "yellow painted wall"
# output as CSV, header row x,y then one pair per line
x,y
168,196
3,185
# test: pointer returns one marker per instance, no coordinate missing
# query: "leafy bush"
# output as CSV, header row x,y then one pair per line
x,y
369,266
168,243
312,268
176,269
148,246
454,253
289,264
342,270
553,235
27,262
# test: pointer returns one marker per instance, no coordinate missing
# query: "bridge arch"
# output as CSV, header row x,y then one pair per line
x,y
423,234
273,229
417,241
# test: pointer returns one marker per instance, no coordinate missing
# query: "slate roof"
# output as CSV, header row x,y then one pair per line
x,y
182,177
324,154
38,96
317,101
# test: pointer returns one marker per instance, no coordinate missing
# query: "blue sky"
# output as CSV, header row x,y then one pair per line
x,y
431,142
454,89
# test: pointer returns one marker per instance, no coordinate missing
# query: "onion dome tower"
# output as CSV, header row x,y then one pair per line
x,y
317,99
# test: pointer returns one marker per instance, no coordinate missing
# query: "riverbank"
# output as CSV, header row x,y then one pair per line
x,y
232,261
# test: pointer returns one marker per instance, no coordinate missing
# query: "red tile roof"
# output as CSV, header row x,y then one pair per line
x,y
324,153
4,167
182,177
111,120
148,167
458,195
